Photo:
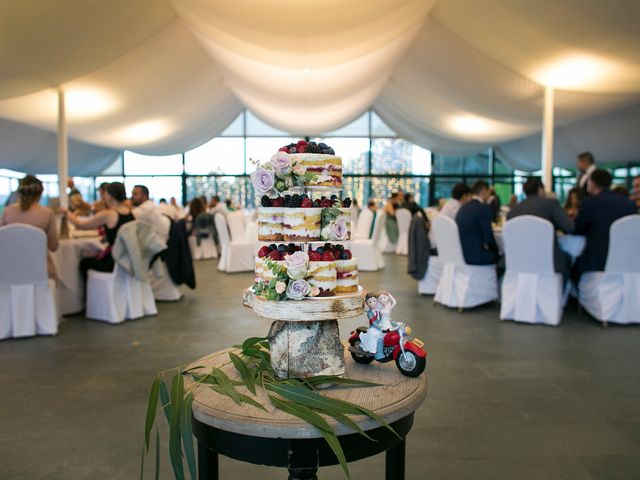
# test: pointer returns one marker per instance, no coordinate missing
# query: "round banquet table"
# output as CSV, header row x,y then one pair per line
x,y
67,262
275,438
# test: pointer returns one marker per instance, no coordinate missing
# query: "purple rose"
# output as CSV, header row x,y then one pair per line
x,y
340,229
281,163
298,289
263,181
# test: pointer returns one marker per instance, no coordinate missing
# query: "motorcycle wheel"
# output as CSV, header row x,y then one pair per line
x,y
410,364
364,359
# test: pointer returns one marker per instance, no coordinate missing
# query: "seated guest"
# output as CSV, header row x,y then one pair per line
x,y
585,165
460,195
148,212
474,225
217,206
390,222
597,213
621,190
76,202
549,209
494,204
28,210
100,204
167,209
110,219
411,205
371,205
574,199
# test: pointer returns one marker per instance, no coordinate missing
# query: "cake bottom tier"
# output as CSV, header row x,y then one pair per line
x,y
306,349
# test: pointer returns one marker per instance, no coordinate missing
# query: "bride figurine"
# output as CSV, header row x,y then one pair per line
x,y
386,302
378,309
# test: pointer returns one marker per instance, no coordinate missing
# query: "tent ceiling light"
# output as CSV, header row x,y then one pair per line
x,y
144,132
576,72
83,103
469,125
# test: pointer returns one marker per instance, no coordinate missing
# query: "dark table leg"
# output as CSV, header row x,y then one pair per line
x,y
303,460
207,463
394,465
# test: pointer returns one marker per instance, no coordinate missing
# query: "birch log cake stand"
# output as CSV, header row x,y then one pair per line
x,y
304,337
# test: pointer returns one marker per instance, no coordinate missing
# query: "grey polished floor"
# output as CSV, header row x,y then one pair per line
x,y
505,401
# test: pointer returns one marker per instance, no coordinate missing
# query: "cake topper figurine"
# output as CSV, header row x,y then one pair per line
x,y
385,340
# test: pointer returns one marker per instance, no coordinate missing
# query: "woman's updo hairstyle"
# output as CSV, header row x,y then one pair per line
x,y
117,191
30,191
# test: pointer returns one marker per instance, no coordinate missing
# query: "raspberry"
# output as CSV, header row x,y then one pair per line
x,y
263,251
284,149
277,202
316,203
326,203
314,256
274,255
306,203
337,254
301,148
327,256
346,255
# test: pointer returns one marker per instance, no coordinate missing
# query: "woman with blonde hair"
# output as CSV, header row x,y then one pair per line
x,y
28,210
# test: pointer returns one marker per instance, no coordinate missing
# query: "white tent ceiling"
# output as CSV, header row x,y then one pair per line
x,y
160,77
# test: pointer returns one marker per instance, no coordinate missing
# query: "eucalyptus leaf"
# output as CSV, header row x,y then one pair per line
x,y
246,375
175,442
157,475
225,384
152,406
242,398
142,455
187,435
166,401
322,379
251,342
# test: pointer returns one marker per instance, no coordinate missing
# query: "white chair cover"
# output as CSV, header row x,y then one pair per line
x,y
531,289
385,245
27,296
461,285
236,223
363,227
235,256
403,217
205,251
367,250
163,288
117,296
429,284
614,295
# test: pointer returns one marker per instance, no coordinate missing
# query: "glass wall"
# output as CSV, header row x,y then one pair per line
x,y
376,163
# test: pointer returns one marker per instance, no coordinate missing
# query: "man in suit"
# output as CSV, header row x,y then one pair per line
x,y
597,213
586,165
474,224
550,209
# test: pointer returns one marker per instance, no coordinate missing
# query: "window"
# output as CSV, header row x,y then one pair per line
x,y
357,128
397,156
379,128
353,151
136,164
159,187
235,128
256,127
218,156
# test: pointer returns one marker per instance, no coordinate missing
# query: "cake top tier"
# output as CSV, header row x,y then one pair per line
x,y
308,147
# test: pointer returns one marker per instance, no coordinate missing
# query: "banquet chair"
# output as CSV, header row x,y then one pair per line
x,y
164,290
385,245
614,294
235,255
27,295
403,217
205,251
236,222
114,297
461,285
363,227
531,289
429,283
367,250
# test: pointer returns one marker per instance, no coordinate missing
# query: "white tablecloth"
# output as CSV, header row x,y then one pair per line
x,y
67,262
571,244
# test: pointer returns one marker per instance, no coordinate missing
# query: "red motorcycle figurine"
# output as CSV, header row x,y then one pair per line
x,y
385,340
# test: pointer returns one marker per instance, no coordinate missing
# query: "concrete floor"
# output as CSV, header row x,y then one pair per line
x,y
505,401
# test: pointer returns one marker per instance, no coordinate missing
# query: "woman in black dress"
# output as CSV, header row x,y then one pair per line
x,y
115,215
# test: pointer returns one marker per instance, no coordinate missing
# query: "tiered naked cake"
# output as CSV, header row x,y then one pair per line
x,y
305,277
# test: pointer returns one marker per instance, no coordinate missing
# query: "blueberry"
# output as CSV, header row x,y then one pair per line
x,y
282,248
273,246
320,250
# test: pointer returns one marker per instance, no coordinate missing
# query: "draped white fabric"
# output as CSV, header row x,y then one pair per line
x,y
455,76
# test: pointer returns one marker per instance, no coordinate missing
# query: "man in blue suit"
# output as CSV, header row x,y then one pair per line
x,y
597,213
474,224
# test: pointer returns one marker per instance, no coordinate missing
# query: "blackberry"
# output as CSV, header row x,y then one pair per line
x,y
314,149
331,151
273,246
304,195
287,201
291,248
265,201
334,198
339,247
328,246
346,203
323,145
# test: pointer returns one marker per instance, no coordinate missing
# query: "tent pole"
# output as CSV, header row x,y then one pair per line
x,y
547,139
63,152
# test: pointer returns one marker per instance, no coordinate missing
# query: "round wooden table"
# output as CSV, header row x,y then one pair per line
x,y
275,438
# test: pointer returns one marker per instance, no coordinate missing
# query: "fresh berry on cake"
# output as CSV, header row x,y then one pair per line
x,y
319,160
347,271
302,222
336,219
274,252
270,219
322,270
